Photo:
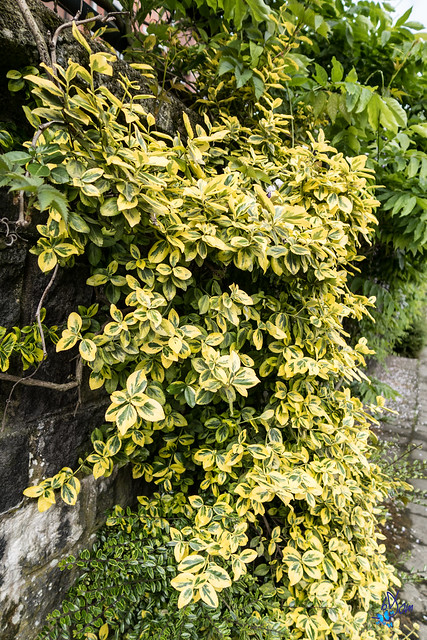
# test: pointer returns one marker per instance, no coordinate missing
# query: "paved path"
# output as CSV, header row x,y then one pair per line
x,y
408,530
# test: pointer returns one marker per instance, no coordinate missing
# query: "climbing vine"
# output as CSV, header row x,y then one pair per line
x,y
219,260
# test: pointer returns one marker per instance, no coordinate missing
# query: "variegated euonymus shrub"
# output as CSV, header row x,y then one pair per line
x,y
221,346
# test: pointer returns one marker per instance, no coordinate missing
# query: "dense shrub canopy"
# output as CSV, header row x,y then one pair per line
x,y
220,261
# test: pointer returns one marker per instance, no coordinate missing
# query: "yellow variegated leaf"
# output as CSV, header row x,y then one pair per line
x,y
248,555
209,595
33,492
192,563
46,501
124,415
312,558
47,260
185,597
103,632
295,573
70,490
183,581
217,576
87,350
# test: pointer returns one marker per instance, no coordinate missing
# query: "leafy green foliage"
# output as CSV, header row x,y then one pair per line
x,y
25,342
125,589
414,339
220,268
354,70
367,87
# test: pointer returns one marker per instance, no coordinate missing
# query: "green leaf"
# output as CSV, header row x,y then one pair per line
x,y
190,396
403,18
259,10
337,72
77,223
97,280
244,379
133,216
109,208
91,175
321,75
48,85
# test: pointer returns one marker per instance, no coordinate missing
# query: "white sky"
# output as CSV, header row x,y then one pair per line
x,y
419,11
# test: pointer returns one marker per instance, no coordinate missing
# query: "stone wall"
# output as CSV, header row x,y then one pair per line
x,y
45,429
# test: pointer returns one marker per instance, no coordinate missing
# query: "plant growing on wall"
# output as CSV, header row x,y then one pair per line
x,y
220,260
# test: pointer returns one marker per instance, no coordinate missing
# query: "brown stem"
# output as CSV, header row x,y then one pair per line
x,y
79,374
407,453
42,128
110,8
267,525
35,382
39,308
34,28
109,17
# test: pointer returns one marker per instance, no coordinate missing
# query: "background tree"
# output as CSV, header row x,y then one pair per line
x,y
221,261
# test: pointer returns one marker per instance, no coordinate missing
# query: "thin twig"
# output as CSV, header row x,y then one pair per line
x,y
109,17
291,114
35,382
34,28
39,308
407,453
42,128
109,7
79,374
267,525
22,222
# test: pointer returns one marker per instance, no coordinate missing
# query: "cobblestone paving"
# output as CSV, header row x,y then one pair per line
x,y
408,532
